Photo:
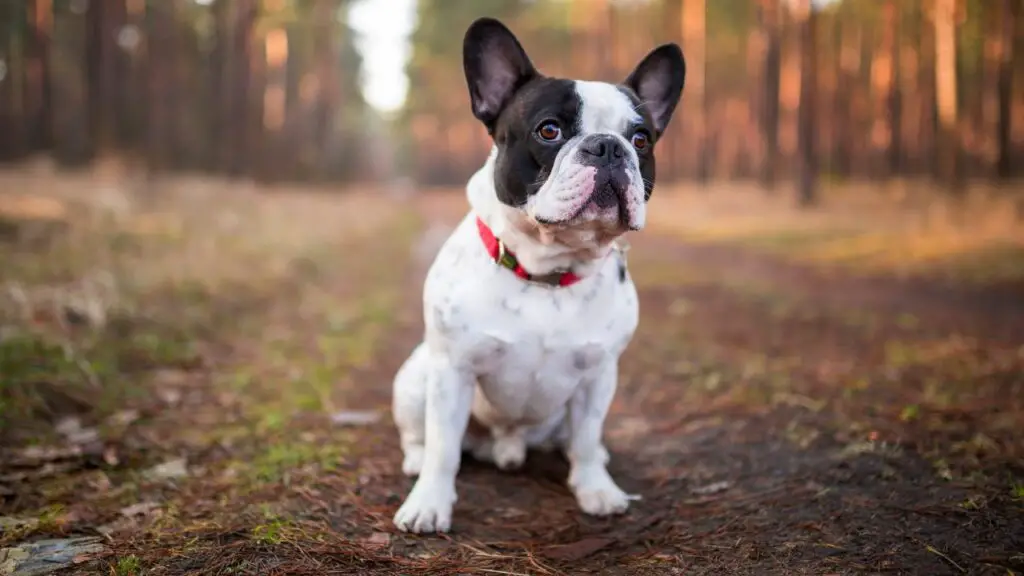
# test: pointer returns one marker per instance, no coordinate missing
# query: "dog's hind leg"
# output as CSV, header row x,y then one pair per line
x,y
408,408
554,436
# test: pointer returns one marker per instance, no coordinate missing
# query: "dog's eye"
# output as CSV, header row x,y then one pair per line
x,y
641,141
549,132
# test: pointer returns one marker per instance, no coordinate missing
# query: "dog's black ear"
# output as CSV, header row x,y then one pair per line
x,y
496,66
658,82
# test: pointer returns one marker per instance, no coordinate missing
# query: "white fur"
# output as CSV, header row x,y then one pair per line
x,y
537,365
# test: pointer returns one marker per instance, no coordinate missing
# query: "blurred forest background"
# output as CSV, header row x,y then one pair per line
x,y
212,261
813,92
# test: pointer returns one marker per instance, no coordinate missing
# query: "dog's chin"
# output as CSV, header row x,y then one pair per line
x,y
608,210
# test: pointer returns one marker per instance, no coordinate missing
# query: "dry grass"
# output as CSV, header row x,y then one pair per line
x,y
907,228
107,280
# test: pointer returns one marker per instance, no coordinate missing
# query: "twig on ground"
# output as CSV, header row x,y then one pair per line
x,y
952,563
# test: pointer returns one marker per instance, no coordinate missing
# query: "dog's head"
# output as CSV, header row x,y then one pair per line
x,y
570,154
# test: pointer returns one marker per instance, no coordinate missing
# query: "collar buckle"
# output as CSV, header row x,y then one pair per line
x,y
504,258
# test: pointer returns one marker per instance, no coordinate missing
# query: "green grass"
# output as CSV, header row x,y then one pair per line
x,y
128,566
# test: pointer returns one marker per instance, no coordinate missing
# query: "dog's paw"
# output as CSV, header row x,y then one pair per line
x,y
598,495
413,460
509,452
427,509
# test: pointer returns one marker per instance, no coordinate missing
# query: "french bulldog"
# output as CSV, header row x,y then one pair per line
x,y
528,305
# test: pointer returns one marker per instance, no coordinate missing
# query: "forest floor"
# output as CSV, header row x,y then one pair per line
x,y
195,379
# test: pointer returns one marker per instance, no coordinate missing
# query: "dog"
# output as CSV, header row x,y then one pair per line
x,y
528,305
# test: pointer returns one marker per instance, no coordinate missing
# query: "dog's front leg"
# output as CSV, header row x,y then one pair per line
x,y
595,491
428,508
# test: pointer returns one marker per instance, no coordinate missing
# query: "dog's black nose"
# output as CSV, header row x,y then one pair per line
x,y
602,150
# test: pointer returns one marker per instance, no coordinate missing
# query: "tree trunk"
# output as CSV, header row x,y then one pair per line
x,y
806,19
848,70
694,32
12,144
329,96
886,79
71,122
1009,10
771,20
235,24
108,71
928,118
161,85
948,160
38,113
670,157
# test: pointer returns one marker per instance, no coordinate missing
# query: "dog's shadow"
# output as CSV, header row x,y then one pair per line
x,y
540,465
543,467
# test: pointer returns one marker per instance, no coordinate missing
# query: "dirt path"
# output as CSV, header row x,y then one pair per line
x,y
776,420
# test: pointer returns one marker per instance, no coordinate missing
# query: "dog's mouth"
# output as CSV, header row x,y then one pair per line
x,y
610,188
606,201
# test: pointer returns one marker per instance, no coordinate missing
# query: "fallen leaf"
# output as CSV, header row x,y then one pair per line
x,y
169,396
139,509
579,549
37,455
168,470
713,488
378,540
355,417
72,430
124,417
68,425
110,456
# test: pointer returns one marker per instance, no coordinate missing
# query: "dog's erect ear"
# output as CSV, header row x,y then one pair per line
x,y
496,66
658,81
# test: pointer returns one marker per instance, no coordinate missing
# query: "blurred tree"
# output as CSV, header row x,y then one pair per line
x,y
108,72
236,20
270,88
437,114
1008,11
771,27
806,21
72,126
13,24
38,111
945,15
885,72
694,31
163,86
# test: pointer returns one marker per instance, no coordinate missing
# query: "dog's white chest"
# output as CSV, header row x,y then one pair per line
x,y
529,346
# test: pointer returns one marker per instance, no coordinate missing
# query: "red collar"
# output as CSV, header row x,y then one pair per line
x,y
496,248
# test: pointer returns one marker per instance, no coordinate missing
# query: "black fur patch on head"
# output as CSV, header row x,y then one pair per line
x,y
524,160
